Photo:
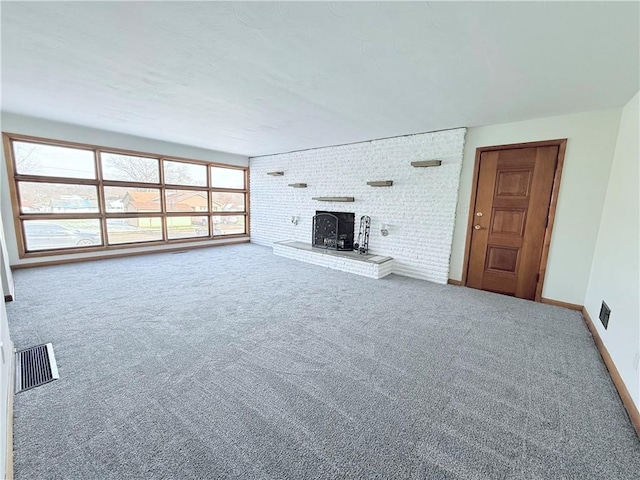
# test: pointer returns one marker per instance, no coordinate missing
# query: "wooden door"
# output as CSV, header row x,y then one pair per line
x,y
509,219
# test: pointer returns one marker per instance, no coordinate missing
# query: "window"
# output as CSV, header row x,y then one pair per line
x,y
225,178
56,234
73,198
178,173
127,168
53,161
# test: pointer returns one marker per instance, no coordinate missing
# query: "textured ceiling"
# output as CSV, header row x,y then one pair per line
x,y
267,77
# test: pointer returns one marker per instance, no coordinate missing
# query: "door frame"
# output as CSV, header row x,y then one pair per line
x,y
542,268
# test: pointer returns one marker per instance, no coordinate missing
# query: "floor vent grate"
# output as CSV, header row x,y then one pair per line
x,y
35,366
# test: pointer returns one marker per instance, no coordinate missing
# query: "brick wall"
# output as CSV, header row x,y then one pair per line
x,y
419,209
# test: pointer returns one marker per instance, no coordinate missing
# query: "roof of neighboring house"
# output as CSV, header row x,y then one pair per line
x,y
179,196
72,202
149,200
147,206
141,196
142,200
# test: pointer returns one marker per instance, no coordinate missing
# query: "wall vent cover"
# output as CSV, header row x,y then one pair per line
x,y
605,312
35,366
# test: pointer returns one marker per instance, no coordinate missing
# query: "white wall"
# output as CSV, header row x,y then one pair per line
x,y
5,270
6,352
419,208
12,123
590,146
616,263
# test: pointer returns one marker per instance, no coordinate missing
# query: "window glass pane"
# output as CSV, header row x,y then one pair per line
x,y
186,227
178,173
227,202
54,234
53,161
134,230
227,177
228,225
186,201
36,197
129,199
126,168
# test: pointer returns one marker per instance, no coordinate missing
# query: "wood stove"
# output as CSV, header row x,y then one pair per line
x,y
333,230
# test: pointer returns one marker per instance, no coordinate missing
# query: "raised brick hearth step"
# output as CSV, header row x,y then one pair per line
x,y
367,265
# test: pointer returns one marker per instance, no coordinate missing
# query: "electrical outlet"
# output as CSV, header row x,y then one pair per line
x,y
605,313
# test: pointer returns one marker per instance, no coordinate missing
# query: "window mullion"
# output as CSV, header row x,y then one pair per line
x,y
124,184
247,207
163,203
209,202
101,197
48,179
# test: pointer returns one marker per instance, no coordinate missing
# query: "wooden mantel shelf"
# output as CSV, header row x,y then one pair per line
x,y
334,199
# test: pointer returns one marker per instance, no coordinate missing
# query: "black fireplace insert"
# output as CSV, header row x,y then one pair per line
x,y
333,230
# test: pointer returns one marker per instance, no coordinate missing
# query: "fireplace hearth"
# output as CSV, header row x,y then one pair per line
x,y
333,230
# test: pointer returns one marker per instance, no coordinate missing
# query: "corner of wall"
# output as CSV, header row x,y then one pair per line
x,y
614,270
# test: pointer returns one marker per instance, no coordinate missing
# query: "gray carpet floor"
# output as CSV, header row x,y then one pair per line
x,y
231,362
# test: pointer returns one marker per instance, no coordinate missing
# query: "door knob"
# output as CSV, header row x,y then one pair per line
x,y
477,227
478,214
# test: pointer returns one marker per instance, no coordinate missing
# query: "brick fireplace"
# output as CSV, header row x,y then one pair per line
x,y
418,210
